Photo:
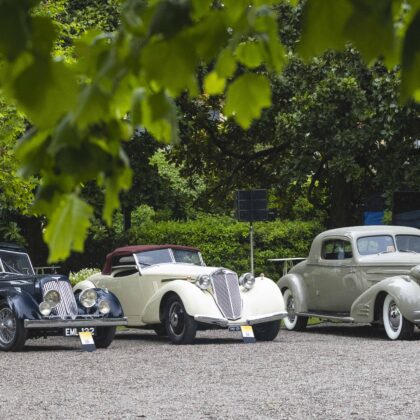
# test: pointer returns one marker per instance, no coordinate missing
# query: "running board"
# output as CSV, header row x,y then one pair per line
x,y
327,316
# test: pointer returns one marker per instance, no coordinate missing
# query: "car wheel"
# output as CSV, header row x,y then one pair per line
x,y
180,327
160,330
104,337
396,326
267,331
293,322
12,332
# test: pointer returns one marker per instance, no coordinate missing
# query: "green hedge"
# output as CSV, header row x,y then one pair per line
x,y
225,242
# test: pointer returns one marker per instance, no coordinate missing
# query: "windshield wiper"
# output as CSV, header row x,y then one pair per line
x,y
408,250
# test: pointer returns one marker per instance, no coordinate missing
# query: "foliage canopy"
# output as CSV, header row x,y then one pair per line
x,y
83,109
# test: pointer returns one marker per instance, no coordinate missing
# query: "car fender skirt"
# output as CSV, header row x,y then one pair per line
x,y
404,290
296,285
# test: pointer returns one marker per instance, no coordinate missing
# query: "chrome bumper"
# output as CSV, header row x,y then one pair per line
x,y
68,323
251,320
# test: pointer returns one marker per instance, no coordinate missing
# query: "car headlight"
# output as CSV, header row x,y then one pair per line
x,y
45,308
88,298
203,281
247,280
104,307
53,298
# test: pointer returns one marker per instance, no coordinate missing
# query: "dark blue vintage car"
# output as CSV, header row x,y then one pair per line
x,y
34,306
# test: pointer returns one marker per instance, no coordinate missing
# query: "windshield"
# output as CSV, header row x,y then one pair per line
x,y
408,243
380,244
15,263
168,255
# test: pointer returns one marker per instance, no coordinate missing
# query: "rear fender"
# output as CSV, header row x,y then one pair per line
x,y
404,290
196,301
22,303
297,286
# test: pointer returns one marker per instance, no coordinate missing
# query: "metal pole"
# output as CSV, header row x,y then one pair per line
x,y
251,240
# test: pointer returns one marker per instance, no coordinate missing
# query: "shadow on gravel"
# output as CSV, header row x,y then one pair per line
x,y
154,338
48,348
348,330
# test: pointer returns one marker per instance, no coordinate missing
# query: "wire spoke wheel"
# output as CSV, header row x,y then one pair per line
x,y
7,326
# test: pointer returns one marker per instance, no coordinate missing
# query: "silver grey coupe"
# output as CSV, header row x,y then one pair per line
x,y
364,274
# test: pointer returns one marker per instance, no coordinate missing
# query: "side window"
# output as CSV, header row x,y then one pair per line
x,y
336,249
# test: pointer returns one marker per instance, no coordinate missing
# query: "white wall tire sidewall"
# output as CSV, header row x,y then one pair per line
x,y
287,323
390,332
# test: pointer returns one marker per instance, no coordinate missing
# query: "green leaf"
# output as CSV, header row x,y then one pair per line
x,y
226,63
200,8
213,84
250,53
92,106
53,94
410,83
323,24
246,97
174,66
329,24
159,117
113,186
67,228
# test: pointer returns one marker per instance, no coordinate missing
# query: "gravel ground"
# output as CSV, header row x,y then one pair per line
x,y
328,372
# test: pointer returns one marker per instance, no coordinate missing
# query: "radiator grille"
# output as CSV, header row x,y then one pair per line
x,y
227,294
67,306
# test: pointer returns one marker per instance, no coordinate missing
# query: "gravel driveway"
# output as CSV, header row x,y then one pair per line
x,y
327,372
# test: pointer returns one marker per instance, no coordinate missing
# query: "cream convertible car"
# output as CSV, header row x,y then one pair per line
x,y
168,288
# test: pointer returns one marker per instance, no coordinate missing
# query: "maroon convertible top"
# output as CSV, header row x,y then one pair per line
x,y
129,250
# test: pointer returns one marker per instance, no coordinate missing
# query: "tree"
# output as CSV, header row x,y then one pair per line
x,y
79,109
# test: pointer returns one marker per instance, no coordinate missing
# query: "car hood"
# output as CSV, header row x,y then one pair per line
x,y
178,270
391,259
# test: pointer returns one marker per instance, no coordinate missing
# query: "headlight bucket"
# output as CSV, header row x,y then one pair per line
x,y
247,281
45,308
88,298
53,298
203,281
104,307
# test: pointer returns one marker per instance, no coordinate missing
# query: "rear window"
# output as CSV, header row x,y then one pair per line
x,y
336,249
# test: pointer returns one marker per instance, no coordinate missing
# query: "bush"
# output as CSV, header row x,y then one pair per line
x,y
81,275
225,242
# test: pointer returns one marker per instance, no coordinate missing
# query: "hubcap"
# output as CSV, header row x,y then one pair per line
x,y
176,318
394,316
7,326
291,309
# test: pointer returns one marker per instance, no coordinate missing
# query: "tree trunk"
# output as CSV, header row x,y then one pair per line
x,y
127,218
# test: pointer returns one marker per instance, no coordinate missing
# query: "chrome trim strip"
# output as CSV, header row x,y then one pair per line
x,y
276,316
63,323
326,316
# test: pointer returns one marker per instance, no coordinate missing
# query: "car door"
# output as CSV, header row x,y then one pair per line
x,y
333,281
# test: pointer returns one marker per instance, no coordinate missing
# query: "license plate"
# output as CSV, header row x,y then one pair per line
x,y
234,328
74,331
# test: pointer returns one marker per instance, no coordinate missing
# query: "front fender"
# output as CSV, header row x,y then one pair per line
x,y
403,289
297,286
195,300
82,285
264,298
116,310
22,303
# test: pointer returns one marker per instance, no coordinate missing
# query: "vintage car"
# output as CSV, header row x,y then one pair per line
x,y
169,289
33,306
367,274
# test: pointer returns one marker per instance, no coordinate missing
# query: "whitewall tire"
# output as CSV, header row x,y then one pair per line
x,y
292,322
396,326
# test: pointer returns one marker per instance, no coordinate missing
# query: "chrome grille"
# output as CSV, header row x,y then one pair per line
x,y
67,306
227,294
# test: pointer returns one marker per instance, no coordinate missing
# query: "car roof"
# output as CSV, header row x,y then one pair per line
x,y
374,230
8,246
133,249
